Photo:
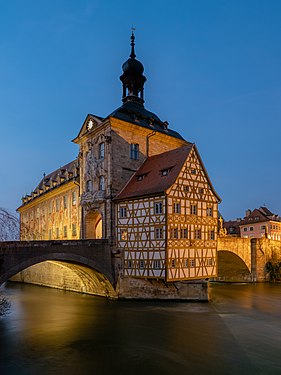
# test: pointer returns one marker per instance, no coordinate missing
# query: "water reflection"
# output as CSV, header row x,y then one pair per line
x,y
49,331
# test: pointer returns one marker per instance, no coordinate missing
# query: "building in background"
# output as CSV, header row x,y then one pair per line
x,y
137,183
260,222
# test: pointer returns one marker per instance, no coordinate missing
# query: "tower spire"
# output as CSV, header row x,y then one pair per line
x,y
132,77
133,55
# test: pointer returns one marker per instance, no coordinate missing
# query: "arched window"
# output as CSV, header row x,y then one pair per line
x,y
89,186
101,150
101,183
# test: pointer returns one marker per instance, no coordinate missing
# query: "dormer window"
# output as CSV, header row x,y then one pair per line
x,y
140,177
165,172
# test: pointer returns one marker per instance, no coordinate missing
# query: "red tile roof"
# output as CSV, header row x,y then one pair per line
x,y
149,179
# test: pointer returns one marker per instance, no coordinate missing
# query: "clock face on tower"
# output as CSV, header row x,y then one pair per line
x,y
90,125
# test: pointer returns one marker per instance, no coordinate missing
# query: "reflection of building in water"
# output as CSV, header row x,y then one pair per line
x,y
137,183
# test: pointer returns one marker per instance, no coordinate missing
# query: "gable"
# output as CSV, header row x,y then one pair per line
x,y
193,181
91,123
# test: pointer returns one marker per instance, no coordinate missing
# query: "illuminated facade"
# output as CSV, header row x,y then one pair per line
x,y
138,184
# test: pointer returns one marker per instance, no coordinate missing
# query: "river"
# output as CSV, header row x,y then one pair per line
x,y
48,331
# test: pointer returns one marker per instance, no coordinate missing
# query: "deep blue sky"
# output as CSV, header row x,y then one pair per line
x,y
213,70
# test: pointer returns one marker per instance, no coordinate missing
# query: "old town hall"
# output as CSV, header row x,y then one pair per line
x,y
138,184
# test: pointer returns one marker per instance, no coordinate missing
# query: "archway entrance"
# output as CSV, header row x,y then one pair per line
x,y
93,225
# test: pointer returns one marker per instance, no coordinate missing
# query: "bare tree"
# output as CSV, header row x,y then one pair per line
x,y
9,226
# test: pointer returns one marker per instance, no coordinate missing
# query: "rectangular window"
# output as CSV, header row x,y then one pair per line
x,y
193,209
74,198
123,212
101,150
245,229
174,233
186,263
186,188
173,263
129,264
156,264
212,234
263,227
89,186
184,233
158,208
193,171
134,151
209,211
65,231
158,233
191,263
251,229
141,263
177,208
74,230
65,202
198,234
201,191
57,204
123,235
210,262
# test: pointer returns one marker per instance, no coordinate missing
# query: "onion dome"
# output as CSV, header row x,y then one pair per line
x,y
132,77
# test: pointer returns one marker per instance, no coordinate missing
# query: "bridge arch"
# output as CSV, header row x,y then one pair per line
x,y
232,268
89,261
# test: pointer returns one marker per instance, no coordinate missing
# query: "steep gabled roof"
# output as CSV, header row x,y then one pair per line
x,y
259,215
149,178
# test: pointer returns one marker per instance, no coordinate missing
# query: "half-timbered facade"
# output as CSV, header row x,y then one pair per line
x,y
167,218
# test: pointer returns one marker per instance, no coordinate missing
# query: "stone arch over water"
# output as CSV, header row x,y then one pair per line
x,y
232,268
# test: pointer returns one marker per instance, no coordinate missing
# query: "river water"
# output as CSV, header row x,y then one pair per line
x,y
48,331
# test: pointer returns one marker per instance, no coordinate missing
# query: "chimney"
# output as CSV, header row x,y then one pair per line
x,y
248,212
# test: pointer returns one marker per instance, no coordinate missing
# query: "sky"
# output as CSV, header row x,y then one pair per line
x,y
212,68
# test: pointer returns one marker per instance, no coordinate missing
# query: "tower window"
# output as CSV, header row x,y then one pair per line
x,y
101,183
89,186
134,151
101,150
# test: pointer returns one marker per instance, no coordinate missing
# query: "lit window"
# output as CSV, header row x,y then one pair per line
x,y
184,233
101,150
209,211
123,235
158,208
123,212
156,264
193,209
134,151
65,231
101,183
74,230
57,204
177,208
158,233
198,234
74,198
65,202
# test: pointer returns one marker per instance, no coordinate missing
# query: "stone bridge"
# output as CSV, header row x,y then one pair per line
x,y
244,259
91,262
